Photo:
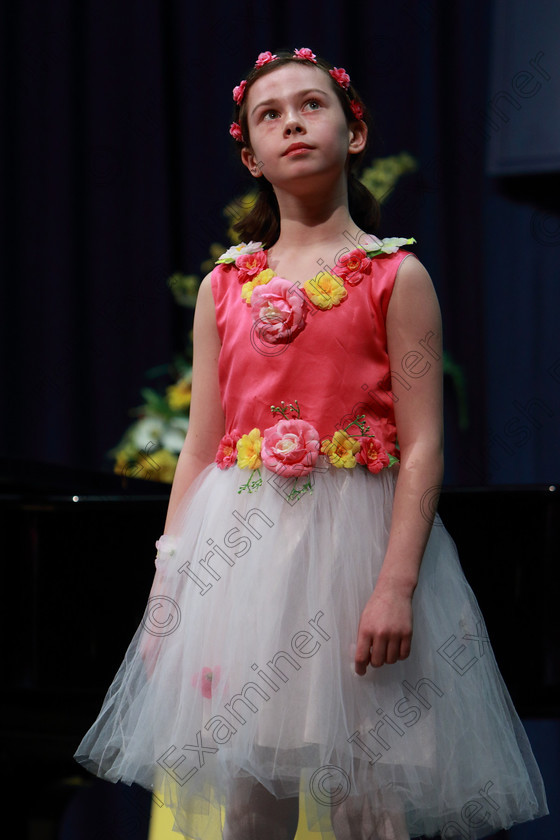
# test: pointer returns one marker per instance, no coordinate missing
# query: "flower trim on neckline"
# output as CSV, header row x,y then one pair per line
x,y
291,448
279,307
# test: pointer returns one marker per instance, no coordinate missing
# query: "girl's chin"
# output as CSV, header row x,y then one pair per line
x,y
301,171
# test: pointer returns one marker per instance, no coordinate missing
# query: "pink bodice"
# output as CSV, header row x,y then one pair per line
x,y
336,367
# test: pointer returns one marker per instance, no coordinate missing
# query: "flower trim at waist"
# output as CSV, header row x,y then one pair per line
x,y
292,446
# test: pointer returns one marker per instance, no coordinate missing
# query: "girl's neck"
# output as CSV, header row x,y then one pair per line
x,y
312,222
312,237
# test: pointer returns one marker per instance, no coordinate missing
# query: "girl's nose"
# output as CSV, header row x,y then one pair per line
x,y
293,125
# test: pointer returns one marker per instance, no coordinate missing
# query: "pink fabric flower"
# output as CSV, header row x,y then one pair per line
x,y
290,447
205,680
353,267
249,265
235,131
239,92
227,450
357,109
279,311
265,58
341,77
372,455
305,53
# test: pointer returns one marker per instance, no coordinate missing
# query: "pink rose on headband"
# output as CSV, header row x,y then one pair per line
x,y
239,91
290,448
264,58
235,131
279,311
305,53
340,75
357,109
353,267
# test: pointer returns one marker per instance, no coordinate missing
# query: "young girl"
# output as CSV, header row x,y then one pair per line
x,y
309,627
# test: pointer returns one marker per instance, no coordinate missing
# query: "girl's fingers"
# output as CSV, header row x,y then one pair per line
x,y
393,651
362,656
405,647
379,651
388,652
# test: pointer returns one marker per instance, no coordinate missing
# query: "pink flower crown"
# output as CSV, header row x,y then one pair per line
x,y
339,74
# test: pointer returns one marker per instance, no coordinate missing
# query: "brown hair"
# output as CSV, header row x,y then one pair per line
x,y
262,223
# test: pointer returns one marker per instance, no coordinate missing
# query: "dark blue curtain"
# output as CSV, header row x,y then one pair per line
x,y
117,165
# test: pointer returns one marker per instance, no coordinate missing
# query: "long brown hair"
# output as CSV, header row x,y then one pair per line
x,y
262,223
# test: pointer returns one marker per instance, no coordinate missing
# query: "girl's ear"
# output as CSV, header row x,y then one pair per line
x,y
358,137
251,162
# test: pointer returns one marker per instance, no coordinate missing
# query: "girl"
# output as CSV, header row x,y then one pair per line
x,y
277,649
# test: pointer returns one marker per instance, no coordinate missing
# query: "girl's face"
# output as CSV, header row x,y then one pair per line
x,y
297,127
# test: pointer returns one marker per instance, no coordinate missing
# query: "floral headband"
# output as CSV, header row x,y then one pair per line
x,y
340,76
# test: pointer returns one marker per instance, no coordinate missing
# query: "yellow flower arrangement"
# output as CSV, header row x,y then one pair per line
x,y
158,465
150,447
165,465
179,395
237,210
381,177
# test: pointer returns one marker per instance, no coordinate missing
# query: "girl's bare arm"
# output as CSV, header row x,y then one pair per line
x,y
385,629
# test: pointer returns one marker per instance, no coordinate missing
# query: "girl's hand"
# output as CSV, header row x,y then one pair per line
x,y
385,629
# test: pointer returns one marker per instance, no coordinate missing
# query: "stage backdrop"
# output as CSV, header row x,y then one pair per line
x,y
117,164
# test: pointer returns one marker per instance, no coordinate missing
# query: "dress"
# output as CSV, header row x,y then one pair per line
x,y
249,633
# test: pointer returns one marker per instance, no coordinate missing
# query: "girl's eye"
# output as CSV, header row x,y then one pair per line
x,y
269,115
313,104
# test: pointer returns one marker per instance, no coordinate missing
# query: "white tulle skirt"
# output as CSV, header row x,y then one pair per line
x,y
242,671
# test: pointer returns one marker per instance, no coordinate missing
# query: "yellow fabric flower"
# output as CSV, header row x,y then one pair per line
x,y
265,276
249,450
341,449
325,290
179,395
